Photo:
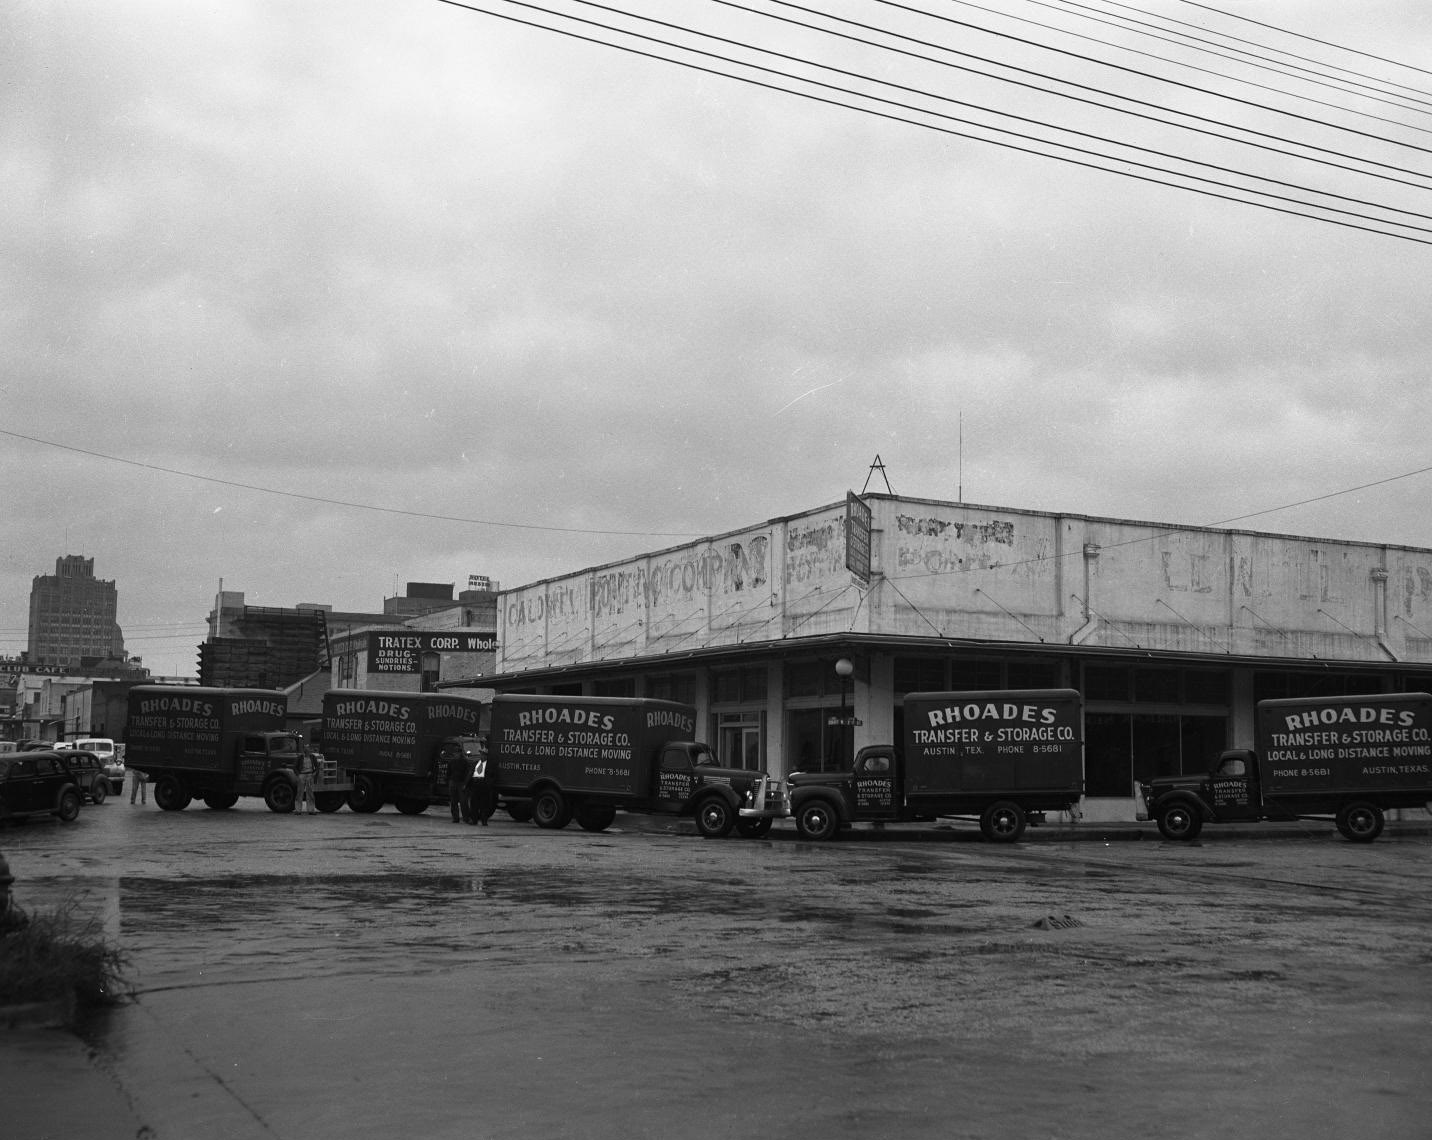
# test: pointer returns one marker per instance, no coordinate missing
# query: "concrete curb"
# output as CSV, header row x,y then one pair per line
x,y
967,831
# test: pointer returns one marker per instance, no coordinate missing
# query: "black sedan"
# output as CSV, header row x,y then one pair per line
x,y
38,783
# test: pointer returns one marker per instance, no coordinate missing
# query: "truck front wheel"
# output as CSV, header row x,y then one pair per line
x,y
410,805
754,828
715,818
1003,822
1360,822
170,795
280,796
220,801
1180,822
817,821
329,802
550,810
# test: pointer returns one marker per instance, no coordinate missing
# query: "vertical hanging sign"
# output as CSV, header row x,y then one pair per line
x,y
857,537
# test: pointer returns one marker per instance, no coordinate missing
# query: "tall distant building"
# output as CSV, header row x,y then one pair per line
x,y
73,616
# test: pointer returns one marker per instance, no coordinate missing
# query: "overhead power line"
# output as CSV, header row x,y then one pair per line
x,y
896,110
342,502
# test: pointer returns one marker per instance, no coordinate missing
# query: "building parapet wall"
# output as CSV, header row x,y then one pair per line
x,y
979,573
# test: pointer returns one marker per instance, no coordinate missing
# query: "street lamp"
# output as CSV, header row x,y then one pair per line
x,y
843,669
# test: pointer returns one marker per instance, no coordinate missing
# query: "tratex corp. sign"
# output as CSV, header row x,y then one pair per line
x,y
403,652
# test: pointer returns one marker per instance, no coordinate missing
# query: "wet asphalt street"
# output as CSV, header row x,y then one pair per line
x,y
385,975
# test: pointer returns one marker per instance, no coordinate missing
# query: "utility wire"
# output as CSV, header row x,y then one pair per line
x,y
1040,122
1303,74
1153,76
343,502
1263,64
1097,165
1301,36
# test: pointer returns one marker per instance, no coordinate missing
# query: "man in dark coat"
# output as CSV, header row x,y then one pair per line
x,y
459,769
482,788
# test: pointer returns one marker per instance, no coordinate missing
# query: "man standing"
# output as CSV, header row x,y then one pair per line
x,y
458,770
306,804
138,782
481,797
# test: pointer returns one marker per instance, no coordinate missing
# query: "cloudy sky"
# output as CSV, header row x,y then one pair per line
x,y
318,299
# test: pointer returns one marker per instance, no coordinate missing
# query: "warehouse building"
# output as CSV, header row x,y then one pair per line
x,y
797,639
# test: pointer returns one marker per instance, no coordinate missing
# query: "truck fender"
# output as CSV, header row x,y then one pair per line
x,y
1193,800
837,801
725,791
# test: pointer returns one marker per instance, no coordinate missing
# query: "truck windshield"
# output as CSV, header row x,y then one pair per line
x,y
283,746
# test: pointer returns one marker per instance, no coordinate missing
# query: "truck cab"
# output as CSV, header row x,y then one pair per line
x,y
692,781
1181,805
872,789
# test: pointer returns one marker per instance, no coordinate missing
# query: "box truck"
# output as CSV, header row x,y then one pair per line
x,y
396,745
217,744
559,758
998,756
1348,759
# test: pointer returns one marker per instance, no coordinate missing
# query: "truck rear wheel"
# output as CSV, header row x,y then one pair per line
x,y
817,821
329,802
715,818
410,805
1180,822
280,796
366,797
754,828
596,817
220,801
170,795
551,810
1003,822
1360,822
519,810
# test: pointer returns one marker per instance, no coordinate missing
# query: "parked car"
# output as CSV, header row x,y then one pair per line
x,y
111,757
38,783
89,773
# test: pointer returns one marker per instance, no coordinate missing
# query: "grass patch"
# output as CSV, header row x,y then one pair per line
x,y
59,955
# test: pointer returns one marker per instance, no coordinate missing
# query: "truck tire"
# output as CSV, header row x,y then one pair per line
x,y
596,817
1003,822
329,802
754,828
1180,822
519,810
1360,822
817,821
170,795
715,818
366,797
280,796
68,807
550,810
220,801
410,805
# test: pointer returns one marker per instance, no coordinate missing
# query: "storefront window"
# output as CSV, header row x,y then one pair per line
x,y
974,675
919,675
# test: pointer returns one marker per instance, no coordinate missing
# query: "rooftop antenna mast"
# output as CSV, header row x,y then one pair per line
x,y
877,466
